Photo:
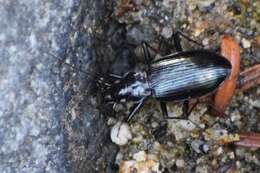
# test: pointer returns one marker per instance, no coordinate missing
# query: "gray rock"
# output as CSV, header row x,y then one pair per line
x,y
48,120
137,34
199,146
205,5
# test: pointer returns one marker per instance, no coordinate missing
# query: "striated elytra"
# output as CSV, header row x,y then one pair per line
x,y
186,75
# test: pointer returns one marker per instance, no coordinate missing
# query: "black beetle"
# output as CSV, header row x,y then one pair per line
x,y
175,77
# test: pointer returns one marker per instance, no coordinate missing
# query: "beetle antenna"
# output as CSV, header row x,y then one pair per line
x,y
89,73
100,80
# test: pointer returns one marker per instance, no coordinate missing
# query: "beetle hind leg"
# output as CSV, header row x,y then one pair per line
x,y
179,33
187,109
164,110
177,42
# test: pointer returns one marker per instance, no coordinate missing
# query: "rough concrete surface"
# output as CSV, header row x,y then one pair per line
x,y
48,122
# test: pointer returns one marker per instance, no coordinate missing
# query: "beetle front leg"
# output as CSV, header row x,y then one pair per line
x,y
115,76
135,108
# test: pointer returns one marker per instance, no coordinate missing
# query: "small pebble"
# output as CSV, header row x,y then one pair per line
x,y
214,162
138,139
205,5
168,3
154,124
147,166
235,116
214,134
181,128
199,146
200,27
167,32
111,121
219,151
246,43
205,42
231,155
180,163
140,156
255,103
120,133
202,169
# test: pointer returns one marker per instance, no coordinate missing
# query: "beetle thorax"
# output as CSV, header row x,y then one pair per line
x,y
135,86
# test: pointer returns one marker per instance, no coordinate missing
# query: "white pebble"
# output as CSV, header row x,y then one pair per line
x,y
180,163
255,103
205,42
140,156
246,43
199,146
231,155
219,151
120,133
181,128
167,32
204,4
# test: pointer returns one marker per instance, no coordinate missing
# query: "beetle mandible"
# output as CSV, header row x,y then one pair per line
x,y
179,76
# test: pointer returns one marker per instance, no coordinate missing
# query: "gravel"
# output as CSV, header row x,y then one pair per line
x,y
51,116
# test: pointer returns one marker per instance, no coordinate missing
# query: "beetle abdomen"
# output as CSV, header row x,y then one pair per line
x,y
187,75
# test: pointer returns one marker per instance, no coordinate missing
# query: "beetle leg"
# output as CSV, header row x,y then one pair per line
x,y
144,43
185,109
177,41
179,33
135,108
188,108
147,54
164,109
214,111
115,76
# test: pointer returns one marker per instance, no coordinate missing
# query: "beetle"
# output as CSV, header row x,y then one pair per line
x,y
177,77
